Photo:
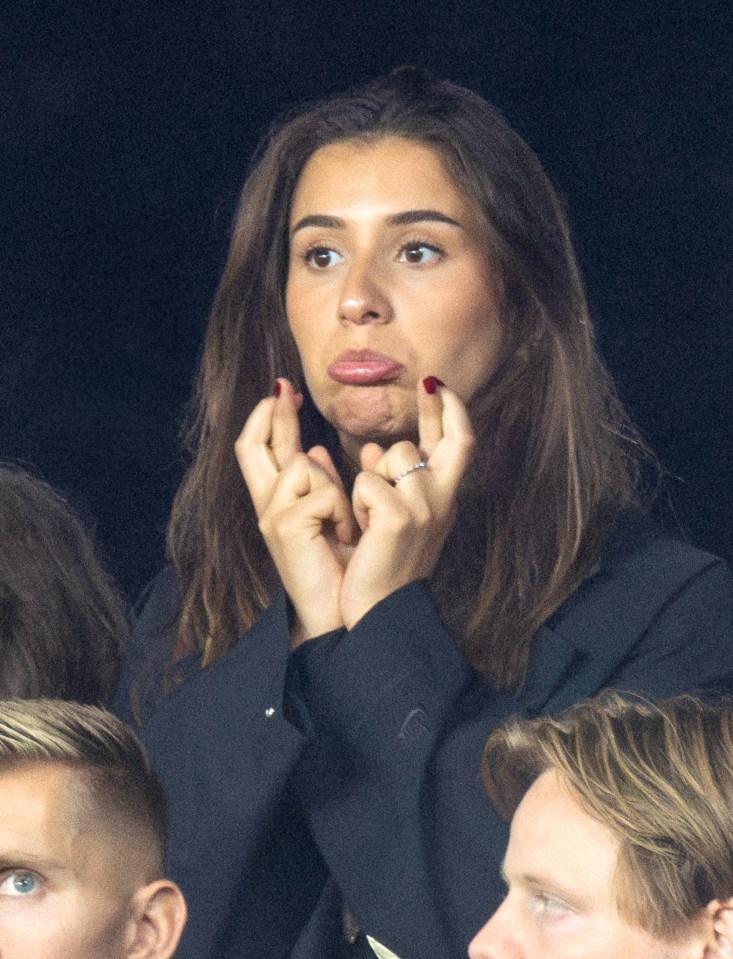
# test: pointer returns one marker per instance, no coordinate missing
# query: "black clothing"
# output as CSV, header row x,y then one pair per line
x,y
353,764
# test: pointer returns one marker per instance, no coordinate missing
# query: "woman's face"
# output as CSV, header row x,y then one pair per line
x,y
389,281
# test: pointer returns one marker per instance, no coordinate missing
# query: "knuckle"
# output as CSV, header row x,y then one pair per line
x,y
265,525
401,457
469,442
399,518
241,446
403,446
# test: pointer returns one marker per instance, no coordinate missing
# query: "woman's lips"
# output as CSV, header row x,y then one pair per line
x,y
362,367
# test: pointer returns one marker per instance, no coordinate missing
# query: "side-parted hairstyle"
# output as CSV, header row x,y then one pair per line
x,y
62,621
658,775
556,458
118,788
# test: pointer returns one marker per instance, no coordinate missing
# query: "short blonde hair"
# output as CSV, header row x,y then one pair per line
x,y
120,786
658,775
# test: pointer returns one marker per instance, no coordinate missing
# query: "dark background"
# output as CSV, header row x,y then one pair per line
x,y
126,131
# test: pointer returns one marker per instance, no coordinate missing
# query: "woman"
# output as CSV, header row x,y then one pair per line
x,y
439,525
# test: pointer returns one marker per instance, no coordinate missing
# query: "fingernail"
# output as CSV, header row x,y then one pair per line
x,y
431,384
278,388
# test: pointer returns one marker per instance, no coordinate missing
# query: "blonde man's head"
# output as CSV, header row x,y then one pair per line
x,y
82,838
659,776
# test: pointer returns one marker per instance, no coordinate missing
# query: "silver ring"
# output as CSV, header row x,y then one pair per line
x,y
418,466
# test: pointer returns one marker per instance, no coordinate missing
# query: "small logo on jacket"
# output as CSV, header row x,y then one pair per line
x,y
414,727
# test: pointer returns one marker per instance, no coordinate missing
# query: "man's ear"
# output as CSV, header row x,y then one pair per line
x,y
719,914
159,915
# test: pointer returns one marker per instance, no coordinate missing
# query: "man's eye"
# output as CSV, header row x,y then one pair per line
x,y
19,884
321,257
547,906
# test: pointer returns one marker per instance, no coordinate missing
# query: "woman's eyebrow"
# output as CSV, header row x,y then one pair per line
x,y
395,219
420,216
317,219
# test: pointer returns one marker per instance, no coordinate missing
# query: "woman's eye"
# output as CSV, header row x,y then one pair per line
x,y
321,257
19,884
419,253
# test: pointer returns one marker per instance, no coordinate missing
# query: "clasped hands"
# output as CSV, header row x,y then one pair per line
x,y
337,557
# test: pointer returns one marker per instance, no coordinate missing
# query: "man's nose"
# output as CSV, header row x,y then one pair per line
x,y
497,939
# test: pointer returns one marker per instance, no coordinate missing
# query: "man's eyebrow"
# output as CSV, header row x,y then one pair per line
x,y
27,860
548,884
395,219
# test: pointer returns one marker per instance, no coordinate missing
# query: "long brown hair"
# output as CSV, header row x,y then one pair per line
x,y
63,623
555,456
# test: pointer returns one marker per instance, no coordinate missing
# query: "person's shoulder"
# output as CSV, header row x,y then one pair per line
x,y
155,623
638,546
155,619
160,598
642,571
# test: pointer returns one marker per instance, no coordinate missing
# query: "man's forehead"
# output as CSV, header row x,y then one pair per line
x,y
49,782
554,839
38,813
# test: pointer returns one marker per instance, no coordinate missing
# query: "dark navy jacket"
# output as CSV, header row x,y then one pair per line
x,y
352,766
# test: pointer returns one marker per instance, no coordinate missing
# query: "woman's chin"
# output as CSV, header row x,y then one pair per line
x,y
355,431
372,415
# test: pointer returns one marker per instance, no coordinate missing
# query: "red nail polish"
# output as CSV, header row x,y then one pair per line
x,y
278,388
431,384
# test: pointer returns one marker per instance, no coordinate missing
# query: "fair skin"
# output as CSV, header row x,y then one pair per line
x,y
389,282
561,903
68,890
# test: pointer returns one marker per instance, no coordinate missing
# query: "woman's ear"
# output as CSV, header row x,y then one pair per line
x,y
160,914
719,913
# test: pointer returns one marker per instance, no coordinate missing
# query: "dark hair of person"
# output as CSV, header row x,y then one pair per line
x,y
556,457
659,776
62,622
118,788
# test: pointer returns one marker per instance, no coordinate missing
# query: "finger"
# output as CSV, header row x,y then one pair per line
x,y
258,461
451,455
308,512
430,413
399,459
345,526
372,496
254,455
370,455
285,437
321,456
305,490
305,483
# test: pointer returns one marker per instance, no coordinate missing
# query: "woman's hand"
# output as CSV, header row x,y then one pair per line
x,y
304,514
404,524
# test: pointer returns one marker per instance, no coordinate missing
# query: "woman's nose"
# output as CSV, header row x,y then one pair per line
x,y
364,297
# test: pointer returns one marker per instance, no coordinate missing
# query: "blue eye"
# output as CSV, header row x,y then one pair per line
x,y
321,257
419,253
19,884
